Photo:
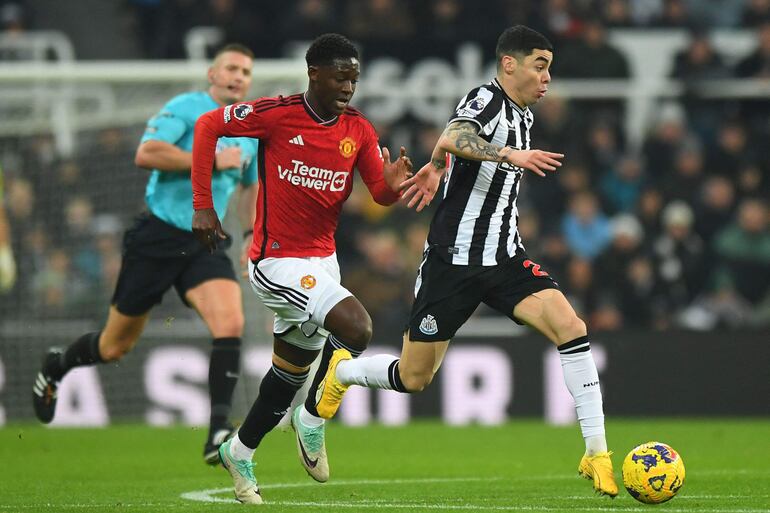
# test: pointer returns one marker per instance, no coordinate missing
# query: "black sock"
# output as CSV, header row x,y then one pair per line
x,y
394,377
331,345
277,390
84,351
224,366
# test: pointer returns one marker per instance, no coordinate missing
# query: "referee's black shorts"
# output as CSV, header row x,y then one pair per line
x,y
448,294
157,256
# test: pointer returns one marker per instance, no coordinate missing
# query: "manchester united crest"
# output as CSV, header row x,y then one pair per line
x,y
347,147
307,282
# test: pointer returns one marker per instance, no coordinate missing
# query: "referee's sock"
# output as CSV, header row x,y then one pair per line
x,y
309,415
84,351
582,380
224,366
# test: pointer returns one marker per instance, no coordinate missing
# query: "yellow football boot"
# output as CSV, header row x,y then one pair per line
x,y
329,395
599,468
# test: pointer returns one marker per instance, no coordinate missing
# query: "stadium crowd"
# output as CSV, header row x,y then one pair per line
x,y
676,234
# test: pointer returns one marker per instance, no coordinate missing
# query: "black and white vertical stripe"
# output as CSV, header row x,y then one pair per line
x,y
477,221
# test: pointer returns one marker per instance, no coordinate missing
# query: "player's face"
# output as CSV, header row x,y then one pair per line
x,y
529,77
230,77
333,85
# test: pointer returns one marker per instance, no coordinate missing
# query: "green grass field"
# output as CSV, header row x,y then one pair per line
x,y
522,466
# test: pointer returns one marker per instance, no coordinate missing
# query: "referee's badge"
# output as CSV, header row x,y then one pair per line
x,y
428,325
307,282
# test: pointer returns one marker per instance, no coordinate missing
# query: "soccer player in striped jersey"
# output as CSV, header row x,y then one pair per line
x,y
475,254
160,251
311,143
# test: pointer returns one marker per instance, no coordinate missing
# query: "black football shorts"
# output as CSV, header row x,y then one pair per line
x,y
157,256
448,294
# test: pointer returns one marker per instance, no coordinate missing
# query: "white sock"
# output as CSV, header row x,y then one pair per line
x,y
239,451
582,380
368,371
308,419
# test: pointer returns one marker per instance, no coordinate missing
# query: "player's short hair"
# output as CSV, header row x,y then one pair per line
x,y
329,47
235,47
519,41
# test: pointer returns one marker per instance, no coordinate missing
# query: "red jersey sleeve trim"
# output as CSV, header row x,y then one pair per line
x,y
207,130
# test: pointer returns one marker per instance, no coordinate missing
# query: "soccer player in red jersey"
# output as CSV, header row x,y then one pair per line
x,y
310,144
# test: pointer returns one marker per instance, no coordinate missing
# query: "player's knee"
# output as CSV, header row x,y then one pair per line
x,y
416,381
570,328
360,331
227,324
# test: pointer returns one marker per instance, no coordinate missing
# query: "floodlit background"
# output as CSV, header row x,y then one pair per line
x,y
656,227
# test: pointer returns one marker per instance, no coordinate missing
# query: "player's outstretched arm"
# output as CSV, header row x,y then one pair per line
x,y
461,138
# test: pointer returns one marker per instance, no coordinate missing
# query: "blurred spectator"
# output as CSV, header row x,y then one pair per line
x,y
743,252
586,228
755,12
591,55
648,210
626,280
379,283
617,13
603,148
313,17
731,151
675,14
380,20
717,13
668,135
558,20
700,60
622,185
715,208
757,63
578,285
686,178
680,263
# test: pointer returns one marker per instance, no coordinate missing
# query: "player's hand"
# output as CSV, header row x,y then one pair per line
x,y
207,228
421,188
228,158
396,172
537,161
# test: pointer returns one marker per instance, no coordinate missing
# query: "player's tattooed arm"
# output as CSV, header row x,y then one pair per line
x,y
462,139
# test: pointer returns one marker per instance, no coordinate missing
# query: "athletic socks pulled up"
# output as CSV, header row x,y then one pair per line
x,y
276,392
224,368
582,380
378,371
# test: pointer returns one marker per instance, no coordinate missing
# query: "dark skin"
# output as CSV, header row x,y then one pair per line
x,y
330,89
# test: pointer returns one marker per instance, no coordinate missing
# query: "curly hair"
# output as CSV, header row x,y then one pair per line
x,y
329,47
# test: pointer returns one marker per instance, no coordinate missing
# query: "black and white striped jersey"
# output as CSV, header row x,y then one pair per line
x,y
477,220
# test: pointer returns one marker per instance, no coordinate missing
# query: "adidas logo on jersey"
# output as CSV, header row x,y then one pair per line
x,y
297,140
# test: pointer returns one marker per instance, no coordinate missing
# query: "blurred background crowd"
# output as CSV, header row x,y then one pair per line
x,y
670,233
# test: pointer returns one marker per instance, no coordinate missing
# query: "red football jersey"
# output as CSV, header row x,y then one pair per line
x,y
305,170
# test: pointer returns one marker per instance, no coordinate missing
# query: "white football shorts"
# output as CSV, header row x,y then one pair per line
x,y
301,292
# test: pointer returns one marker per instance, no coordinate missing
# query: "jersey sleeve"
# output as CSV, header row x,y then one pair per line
x,y
237,120
168,126
481,106
370,165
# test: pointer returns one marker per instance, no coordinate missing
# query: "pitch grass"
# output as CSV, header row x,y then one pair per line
x,y
423,467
